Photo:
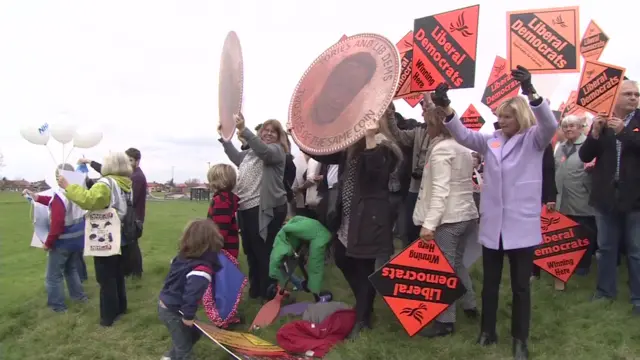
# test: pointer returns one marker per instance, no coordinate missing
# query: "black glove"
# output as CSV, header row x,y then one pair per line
x,y
439,96
523,76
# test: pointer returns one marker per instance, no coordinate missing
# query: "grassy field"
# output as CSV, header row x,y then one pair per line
x,y
564,325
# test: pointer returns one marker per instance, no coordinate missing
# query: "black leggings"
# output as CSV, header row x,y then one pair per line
x,y
257,249
356,272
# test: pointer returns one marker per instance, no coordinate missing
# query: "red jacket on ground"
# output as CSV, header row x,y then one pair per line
x,y
300,337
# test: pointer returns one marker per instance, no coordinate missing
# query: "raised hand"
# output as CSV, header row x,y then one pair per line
x,y
240,125
523,76
439,97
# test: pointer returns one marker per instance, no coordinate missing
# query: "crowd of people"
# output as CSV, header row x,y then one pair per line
x,y
431,180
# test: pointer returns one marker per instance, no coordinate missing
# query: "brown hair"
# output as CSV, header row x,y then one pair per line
x,y
199,237
434,118
221,177
282,135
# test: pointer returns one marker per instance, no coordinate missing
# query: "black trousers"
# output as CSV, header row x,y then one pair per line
x,y
356,272
520,264
113,293
413,231
257,249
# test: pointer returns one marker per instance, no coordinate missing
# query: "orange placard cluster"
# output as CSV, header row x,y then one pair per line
x,y
418,285
593,42
544,40
564,242
570,107
405,48
500,86
599,85
472,119
444,49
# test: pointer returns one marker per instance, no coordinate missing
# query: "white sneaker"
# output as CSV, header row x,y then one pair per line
x,y
165,358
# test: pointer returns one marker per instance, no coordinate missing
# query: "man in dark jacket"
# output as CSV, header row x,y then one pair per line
x,y
614,142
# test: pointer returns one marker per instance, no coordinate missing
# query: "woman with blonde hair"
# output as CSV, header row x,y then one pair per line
x,y
510,208
262,206
446,212
113,189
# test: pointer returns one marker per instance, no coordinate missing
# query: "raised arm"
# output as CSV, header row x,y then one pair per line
x,y
440,172
232,153
592,146
271,154
404,137
546,125
470,139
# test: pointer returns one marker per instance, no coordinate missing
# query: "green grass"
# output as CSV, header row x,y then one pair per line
x,y
564,325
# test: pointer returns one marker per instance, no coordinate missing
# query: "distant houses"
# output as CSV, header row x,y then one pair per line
x,y
21,185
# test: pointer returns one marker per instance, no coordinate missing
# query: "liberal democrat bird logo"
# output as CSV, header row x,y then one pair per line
x,y
548,221
589,73
460,26
416,313
407,44
498,69
558,21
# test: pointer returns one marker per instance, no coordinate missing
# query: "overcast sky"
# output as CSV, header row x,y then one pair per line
x,y
145,71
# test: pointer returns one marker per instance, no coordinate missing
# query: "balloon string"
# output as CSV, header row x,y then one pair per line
x,y
51,154
69,154
62,154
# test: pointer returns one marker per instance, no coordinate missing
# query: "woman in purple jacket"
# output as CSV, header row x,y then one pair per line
x,y
510,207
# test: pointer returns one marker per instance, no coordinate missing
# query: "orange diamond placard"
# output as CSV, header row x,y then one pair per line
x,y
405,48
564,243
593,42
500,86
472,119
444,49
599,85
418,285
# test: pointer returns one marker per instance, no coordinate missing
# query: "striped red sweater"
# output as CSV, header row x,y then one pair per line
x,y
222,211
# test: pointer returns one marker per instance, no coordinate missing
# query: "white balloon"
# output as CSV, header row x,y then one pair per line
x,y
38,135
85,138
62,132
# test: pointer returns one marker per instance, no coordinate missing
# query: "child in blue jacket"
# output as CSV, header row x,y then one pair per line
x,y
190,274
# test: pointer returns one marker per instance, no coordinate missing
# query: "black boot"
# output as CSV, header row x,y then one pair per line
x,y
357,329
472,313
486,339
437,329
520,350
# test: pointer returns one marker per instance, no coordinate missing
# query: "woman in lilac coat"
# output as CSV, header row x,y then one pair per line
x,y
510,200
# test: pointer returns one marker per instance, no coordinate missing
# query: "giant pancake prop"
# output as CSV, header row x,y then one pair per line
x,y
230,84
348,85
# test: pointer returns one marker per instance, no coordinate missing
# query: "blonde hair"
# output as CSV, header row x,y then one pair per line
x,y
221,177
434,118
116,163
282,135
517,107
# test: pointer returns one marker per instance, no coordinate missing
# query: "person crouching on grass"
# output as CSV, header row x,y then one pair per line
x,y
190,274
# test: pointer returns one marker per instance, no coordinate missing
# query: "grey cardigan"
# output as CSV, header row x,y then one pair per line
x,y
416,138
272,191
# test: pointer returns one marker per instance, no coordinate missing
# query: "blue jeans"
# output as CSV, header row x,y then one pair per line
x,y
62,265
614,228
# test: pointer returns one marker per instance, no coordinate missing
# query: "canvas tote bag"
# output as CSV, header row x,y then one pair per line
x,y
102,232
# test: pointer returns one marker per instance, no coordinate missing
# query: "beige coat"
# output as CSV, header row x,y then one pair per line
x,y
446,191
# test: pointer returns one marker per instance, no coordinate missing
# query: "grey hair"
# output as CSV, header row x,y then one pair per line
x,y
116,163
66,167
572,120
